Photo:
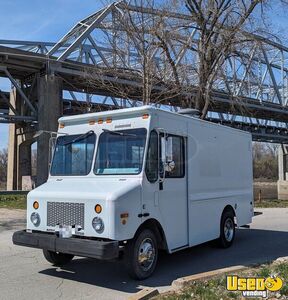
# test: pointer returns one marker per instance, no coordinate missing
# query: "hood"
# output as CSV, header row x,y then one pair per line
x,y
100,188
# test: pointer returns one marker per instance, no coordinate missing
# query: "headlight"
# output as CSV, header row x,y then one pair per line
x,y
35,219
98,224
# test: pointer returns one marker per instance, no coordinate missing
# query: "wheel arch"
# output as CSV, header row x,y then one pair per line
x,y
229,208
157,229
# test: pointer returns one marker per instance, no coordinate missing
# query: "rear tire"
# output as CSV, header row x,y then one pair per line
x,y
56,258
227,229
141,255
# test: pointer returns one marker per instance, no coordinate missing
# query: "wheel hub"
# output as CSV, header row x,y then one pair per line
x,y
229,230
146,254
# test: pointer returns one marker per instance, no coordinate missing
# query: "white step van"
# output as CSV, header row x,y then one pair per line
x,y
137,180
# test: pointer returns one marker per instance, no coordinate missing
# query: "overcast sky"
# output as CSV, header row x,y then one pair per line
x,y
36,20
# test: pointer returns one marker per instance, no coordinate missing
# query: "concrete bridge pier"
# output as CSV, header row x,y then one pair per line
x,y
48,93
283,172
19,148
19,158
50,109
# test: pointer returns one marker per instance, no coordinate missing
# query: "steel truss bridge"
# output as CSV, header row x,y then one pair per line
x,y
251,94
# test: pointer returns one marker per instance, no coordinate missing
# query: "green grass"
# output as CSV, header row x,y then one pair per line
x,y
283,270
19,201
215,288
271,203
13,201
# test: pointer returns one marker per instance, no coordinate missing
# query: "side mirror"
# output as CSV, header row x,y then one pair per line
x,y
169,149
170,164
167,163
163,149
162,162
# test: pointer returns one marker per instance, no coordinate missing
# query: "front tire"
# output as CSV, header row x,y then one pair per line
x,y
56,258
141,255
227,229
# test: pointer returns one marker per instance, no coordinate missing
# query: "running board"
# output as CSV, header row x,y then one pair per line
x,y
245,226
257,213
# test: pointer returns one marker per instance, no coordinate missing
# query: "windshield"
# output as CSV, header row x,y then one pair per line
x,y
120,152
73,155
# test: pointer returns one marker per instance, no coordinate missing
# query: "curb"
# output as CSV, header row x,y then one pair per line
x,y
279,260
184,281
180,283
145,294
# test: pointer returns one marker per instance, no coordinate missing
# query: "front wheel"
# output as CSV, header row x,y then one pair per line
x,y
56,258
141,255
227,229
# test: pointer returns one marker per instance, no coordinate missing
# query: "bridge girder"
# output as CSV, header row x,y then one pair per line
x,y
253,91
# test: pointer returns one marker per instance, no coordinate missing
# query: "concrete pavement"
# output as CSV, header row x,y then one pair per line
x,y
24,273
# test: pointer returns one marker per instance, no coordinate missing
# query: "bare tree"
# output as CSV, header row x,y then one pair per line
x,y
3,165
265,164
147,45
141,53
219,24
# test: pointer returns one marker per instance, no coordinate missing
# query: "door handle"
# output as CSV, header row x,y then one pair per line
x,y
143,215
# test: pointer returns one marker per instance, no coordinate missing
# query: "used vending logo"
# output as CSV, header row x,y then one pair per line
x,y
254,286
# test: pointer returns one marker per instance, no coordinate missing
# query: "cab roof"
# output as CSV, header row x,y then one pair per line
x,y
109,113
138,111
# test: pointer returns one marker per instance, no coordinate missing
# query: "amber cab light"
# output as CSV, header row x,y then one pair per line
x,y
98,208
35,205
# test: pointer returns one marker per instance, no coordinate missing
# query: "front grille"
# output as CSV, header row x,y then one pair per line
x,y
63,213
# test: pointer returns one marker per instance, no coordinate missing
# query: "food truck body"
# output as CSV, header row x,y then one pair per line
x,y
137,180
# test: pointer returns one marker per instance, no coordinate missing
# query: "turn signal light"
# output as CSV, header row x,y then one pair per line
x,y
145,116
100,121
98,208
61,125
108,120
92,122
35,205
124,215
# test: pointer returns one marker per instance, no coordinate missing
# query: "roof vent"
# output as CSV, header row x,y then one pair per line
x,y
191,112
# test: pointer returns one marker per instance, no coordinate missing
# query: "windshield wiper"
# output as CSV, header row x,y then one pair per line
x,y
79,138
119,133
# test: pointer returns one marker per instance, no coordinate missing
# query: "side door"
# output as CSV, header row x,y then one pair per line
x,y
173,196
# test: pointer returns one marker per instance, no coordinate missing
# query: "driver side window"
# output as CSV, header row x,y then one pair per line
x,y
151,168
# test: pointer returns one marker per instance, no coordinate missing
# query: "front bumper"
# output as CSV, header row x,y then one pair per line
x,y
76,246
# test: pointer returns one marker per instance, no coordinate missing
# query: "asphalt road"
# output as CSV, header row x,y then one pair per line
x,y
24,273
